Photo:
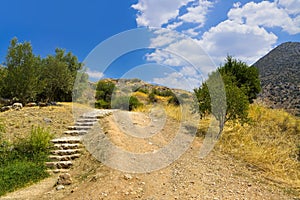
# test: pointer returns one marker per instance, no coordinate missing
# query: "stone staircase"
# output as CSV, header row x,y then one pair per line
x,y
68,148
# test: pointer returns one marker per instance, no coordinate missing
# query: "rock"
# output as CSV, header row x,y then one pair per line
x,y
32,104
41,104
64,179
47,120
127,177
279,76
5,108
17,106
60,187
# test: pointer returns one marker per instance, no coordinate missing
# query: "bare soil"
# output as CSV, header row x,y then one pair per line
x,y
217,176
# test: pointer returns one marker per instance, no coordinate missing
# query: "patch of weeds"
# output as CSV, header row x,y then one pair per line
x,y
23,162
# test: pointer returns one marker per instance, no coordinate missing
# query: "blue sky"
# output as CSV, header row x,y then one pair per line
x,y
245,29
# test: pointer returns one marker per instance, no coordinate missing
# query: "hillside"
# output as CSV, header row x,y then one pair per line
x,y
236,169
280,77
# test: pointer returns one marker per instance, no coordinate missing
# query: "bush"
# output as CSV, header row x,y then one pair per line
x,y
143,90
102,104
2,130
174,100
104,90
163,93
23,162
125,103
152,98
37,146
134,103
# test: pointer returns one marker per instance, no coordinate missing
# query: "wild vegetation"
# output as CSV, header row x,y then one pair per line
x,y
26,77
269,143
23,161
267,140
228,92
109,95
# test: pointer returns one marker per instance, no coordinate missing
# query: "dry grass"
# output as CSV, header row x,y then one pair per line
x,y
179,113
18,124
269,143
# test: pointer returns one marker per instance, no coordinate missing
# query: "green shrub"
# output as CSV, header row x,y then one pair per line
x,y
125,103
36,146
134,103
104,90
184,96
2,130
174,100
23,162
163,93
102,104
143,90
152,98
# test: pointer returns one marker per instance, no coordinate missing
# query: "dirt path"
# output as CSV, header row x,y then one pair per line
x,y
217,176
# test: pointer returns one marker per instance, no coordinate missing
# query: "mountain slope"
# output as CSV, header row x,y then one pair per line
x,y
280,77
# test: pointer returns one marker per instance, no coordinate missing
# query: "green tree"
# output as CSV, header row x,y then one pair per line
x,y
104,90
3,74
221,97
22,77
245,77
55,78
58,76
125,103
69,61
82,89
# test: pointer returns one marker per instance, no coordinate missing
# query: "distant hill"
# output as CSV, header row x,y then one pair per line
x,y
280,77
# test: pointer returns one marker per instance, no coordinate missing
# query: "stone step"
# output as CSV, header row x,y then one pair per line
x,y
97,115
65,157
79,127
87,120
84,123
76,132
67,146
69,140
88,117
55,171
59,164
65,152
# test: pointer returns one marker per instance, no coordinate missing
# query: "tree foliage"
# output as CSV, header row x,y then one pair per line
x,y
227,92
243,76
3,74
125,103
104,90
22,65
58,75
27,77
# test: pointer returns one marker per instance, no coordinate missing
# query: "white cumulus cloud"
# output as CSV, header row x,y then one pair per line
x,y
94,74
247,33
197,14
266,14
155,13
242,41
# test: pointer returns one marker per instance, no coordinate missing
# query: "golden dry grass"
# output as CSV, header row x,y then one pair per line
x,y
18,124
269,143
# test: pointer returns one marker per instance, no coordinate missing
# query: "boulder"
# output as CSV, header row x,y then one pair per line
x,y
32,104
5,108
64,179
17,106
41,104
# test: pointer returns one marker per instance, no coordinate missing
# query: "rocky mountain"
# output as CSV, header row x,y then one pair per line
x,y
280,77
